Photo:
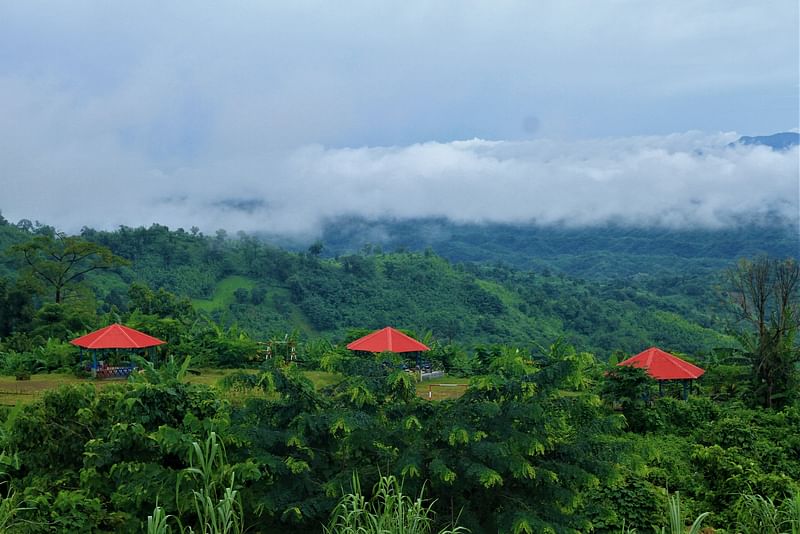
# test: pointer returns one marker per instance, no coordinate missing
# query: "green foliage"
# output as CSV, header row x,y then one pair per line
x,y
629,501
760,514
677,523
674,260
160,303
630,387
529,447
10,505
389,511
765,294
217,505
59,261
16,306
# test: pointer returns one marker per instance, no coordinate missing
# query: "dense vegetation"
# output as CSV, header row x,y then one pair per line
x,y
609,252
269,291
548,437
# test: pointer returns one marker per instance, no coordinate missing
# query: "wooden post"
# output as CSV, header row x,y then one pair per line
x,y
430,391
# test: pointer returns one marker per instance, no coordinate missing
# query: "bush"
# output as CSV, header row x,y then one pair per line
x,y
22,365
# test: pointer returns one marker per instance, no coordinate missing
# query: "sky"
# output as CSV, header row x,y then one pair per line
x,y
276,116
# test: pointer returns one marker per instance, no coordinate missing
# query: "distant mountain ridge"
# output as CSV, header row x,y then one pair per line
x,y
778,141
602,252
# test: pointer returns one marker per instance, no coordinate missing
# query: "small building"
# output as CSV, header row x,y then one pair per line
x,y
107,342
663,367
387,340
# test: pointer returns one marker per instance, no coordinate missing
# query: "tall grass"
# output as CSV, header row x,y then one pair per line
x,y
10,503
215,504
677,525
760,515
390,511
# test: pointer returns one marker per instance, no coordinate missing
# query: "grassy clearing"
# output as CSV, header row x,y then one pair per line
x,y
223,293
322,379
13,392
446,387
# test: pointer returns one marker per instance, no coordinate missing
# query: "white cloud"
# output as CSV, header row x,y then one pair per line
x,y
135,113
677,180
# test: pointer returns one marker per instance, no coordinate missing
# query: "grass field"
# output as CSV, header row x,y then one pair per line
x,y
223,293
14,391
224,296
442,388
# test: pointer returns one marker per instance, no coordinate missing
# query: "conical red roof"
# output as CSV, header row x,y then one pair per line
x,y
387,339
663,365
116,336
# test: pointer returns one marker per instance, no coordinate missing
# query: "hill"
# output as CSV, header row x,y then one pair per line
x,y
608,252
267,290
778,141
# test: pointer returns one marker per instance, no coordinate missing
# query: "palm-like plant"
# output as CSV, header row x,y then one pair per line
x,y
169,371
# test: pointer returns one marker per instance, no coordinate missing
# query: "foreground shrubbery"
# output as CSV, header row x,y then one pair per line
x,y
528,448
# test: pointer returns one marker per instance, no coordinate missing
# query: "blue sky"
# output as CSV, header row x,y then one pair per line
x,y
202,101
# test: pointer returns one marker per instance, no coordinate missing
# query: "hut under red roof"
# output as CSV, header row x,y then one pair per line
x,y
116,336
663,365
387,339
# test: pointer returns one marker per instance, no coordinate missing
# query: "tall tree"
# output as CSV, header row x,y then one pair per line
x,y
60,260
16,306
766,296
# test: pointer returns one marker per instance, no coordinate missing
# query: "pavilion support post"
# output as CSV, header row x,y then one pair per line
x,y
94,364
686,389
660,388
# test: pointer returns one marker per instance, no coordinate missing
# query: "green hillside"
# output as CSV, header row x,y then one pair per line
x,y
268,291
224,293
530,426
605,252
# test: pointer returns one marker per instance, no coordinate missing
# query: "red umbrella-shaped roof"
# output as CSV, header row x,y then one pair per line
x,y
663,365
116,336
387,339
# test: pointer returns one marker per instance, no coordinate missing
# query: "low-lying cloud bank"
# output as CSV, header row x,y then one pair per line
x,y
681,180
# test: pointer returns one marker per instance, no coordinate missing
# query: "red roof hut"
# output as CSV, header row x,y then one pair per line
x,y
387,339
115,336
664,366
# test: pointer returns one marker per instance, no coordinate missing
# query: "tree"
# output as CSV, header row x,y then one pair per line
x,y
60,260
16,307
316,248
766,295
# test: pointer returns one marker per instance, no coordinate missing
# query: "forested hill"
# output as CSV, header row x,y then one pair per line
x,y
600,253
269,291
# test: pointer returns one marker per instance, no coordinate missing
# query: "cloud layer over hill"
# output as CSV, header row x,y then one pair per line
x,y
678,181
278,115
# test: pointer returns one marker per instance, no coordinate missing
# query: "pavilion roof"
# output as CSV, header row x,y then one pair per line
x,y
116,336
663,365
387,339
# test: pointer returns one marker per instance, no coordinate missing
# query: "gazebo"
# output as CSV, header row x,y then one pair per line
x,y
388,340
115,336
664,366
